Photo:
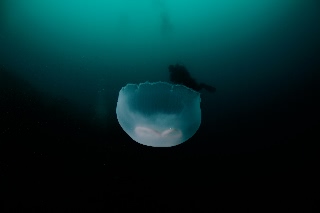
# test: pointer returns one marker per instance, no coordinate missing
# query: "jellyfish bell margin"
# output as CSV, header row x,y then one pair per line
x,y
159,114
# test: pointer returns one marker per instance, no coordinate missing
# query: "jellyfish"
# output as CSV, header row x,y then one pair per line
x,y
159,114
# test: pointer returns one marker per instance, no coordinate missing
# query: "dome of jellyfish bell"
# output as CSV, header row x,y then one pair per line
x,y
159,114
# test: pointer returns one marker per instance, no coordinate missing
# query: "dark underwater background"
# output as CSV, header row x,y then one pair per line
x,y
63,63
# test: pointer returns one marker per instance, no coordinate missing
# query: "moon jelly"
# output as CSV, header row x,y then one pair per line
x,y
159,114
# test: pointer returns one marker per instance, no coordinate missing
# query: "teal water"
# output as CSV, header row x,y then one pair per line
x,y
253,52
63,63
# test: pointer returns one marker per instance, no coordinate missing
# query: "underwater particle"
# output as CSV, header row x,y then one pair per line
x,y
159,114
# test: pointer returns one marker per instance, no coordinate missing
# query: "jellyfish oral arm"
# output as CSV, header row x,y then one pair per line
x,y
171,132
145,132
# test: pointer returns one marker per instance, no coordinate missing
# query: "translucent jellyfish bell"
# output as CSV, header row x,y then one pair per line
x,y
159,114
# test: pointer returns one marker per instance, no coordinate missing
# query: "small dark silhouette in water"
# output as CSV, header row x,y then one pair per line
x,y
180,75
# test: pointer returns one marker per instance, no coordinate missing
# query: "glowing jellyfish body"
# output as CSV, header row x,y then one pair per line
x,y
159,114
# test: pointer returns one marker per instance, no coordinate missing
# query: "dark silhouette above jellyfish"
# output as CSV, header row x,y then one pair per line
x,y
159,114
180,75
